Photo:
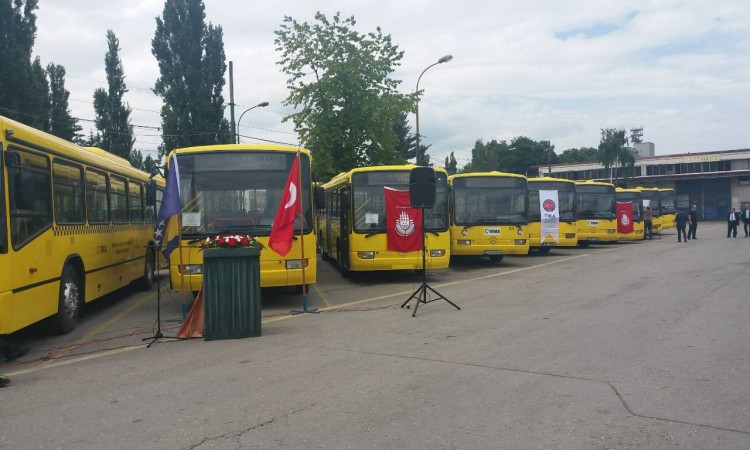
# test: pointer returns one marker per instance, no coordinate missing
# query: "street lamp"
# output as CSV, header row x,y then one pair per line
x,y
444,59
259,105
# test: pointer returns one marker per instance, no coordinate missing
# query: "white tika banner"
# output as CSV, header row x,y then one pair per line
x,y
548,206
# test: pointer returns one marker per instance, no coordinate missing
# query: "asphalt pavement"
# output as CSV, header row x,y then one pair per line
x,y
633,345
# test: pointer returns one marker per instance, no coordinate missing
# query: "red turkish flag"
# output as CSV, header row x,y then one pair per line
x,y
282,232
624,217
403,223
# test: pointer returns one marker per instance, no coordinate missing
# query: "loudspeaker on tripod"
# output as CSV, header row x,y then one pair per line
x,y
422,187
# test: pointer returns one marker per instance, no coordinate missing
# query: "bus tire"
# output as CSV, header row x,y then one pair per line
x,y
70,299
149,271
496,258
544,250
584,244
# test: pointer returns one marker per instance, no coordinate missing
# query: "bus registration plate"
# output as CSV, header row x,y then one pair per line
x,y
548,244
592,239
493,252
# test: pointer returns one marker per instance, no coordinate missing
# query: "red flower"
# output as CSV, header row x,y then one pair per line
x,y
232,242
244,241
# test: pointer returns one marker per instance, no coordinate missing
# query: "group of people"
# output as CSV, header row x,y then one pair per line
x,y
690,219
733,221
687,220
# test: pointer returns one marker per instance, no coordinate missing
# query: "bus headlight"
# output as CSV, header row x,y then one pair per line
x,y
520,242
437,253
464,242
570,235
295,263
190,269
366,255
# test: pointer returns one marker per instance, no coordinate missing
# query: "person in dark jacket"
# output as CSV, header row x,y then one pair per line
x,y
648,223
692,222
681,220
746,219
12,352
732,221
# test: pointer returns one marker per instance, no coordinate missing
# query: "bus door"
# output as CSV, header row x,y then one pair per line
x,y
343,243
4,243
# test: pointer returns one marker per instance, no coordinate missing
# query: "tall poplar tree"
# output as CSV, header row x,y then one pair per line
x,y
191,66
20,98
61,123
111,116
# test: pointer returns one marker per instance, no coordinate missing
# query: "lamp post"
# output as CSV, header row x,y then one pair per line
x,y
259,105
442,60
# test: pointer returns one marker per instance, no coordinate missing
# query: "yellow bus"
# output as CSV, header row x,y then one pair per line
x,y
668,201
566,227
236,189
75,224
595,215
353,227
635,197
489,214
652,197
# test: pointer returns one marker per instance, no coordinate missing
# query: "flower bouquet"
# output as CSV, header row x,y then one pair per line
x,y
232,241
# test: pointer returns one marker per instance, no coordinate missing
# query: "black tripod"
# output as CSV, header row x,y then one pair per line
x,y
157,334
421,293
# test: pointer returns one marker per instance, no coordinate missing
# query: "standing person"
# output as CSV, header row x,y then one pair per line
x,y
648,218
732,221
693,222
681,220
746,219
11,352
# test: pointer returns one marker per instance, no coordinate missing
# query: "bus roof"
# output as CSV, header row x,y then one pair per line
x,y
346,175
493,173
241,147
550,179
17,132
594,183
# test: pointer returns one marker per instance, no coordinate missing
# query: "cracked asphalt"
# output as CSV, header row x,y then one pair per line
x,y
639,345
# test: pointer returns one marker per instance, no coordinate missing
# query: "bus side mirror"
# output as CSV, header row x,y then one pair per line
x,y
151,193
319,197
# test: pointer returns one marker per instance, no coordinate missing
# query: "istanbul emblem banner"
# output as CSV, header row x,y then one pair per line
x,y
550,213
403,223
624,217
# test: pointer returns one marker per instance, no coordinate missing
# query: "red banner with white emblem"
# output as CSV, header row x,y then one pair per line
x,y
624,217
403,223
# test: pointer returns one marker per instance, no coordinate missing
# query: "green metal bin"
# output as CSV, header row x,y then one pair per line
x,y
231,293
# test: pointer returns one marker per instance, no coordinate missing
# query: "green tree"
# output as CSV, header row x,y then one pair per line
x,y
38,97
451,165
486,157
61,123
17,34
192,64
583,154
613,152
111,116
148,164
406,141
340,81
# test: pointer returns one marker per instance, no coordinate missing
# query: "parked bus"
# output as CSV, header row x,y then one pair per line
x,y
595,215
236,189
668,201
652,197
636,198
353,228
567,233
489,214
75,224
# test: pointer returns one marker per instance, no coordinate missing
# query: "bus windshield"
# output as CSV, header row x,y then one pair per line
x,y
636,199
237,192
667,199
651,196
489,200
566,197
369,200
595,202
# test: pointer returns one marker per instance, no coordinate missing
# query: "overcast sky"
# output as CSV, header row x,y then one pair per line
x,y
545,69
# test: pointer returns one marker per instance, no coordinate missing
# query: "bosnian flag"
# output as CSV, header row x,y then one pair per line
x,y
167,222
624,217
403,223
282,232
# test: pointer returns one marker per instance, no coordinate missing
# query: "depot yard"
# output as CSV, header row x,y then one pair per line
x,y
641,344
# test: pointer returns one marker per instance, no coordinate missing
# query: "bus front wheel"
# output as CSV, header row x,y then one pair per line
x,y
69,303
496,258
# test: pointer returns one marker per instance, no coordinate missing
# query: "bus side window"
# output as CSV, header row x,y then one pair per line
x,y
30,193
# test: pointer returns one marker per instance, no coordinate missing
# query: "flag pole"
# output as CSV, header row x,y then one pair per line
x,y
302,243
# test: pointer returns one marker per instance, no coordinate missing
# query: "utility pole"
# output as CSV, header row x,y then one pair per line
x,y
231,102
